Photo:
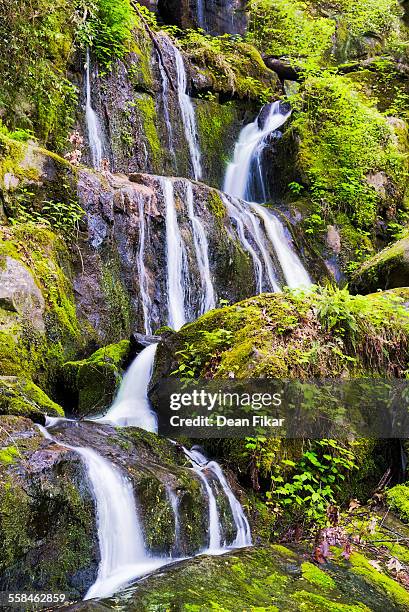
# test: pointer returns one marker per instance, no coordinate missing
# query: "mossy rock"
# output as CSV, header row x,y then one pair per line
x,y
47,522
398,500
21,397
92,383
269,578
388,269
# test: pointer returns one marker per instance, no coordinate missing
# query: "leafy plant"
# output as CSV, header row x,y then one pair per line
x,y
314,481
191,360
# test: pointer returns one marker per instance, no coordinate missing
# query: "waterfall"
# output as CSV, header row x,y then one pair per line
x,y
243,533
199,461
200,11
131,407
246,162
123,556
174,503
143,277
243,181
200,243
165,102
93,125
247,222
188,116
294,272
176,260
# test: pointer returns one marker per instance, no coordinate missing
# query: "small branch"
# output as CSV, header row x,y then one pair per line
x,y
155,42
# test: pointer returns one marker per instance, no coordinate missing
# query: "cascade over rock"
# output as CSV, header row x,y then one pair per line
x,y
143,103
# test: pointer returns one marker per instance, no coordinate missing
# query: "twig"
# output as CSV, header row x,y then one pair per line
x,y
155,42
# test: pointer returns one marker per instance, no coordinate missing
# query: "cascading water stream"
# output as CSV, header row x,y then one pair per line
x,y
143,277
202,254
199,461
174,502
93,125
294,272
176,260
243,533
248,150
123,555
246,222
242,174
131,407
188,116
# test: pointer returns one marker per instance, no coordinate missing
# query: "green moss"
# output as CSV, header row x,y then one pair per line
x,y
9,454
15,538
398,500
314,575
388,586
23,398
217,57
318,603
146,106
215,205
93,382
118,301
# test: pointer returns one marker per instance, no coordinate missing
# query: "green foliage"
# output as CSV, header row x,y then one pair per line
x,y
63,217
398,500
191,357
108,29
217,55
314,481
288,28
35,48
343,140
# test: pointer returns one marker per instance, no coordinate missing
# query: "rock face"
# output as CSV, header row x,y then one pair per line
x,y
20,294
47,519
389,269
213,16
47,511
139,110
119,211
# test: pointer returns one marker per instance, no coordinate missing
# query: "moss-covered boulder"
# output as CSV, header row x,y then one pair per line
x,y
293,334
90,384
268,578
388,269
47,520
21,397
398,500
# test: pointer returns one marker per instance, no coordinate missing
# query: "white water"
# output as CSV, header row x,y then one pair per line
x,y
199,461
294,272
243,535
188,116
123,556
248,150
208,301
248,224
143,276
131,407
93,125
174,502
165,102
176,258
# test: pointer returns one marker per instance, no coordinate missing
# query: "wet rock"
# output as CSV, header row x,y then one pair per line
x,y
91,384
47,522
213,16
